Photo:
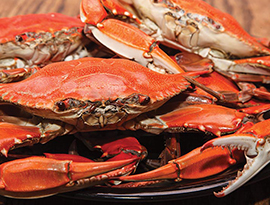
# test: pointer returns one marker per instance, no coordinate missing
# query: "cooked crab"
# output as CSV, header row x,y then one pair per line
x,y
191,26
28,42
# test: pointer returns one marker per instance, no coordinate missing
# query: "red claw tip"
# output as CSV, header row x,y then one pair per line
x,y
207,145
219,194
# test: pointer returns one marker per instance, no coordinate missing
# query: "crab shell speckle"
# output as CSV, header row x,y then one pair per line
x,y
36,23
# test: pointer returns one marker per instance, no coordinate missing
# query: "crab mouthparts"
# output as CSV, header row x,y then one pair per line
x,y
256,154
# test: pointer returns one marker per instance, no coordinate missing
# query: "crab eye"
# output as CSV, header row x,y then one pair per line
x,y
264,116
158,1
61,106
143,100
19,38
68,104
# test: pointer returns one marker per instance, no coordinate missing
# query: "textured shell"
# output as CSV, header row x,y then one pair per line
x,y
228,120
229,24
51,22
91,79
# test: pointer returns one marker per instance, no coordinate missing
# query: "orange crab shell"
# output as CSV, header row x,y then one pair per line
x,y
12,26
92,80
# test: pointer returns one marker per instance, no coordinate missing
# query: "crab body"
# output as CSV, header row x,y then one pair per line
x,y
68,97
74,92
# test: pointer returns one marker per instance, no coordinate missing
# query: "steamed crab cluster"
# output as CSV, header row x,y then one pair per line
x,y
199,90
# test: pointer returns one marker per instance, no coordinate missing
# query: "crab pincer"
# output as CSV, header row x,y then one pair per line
x,y
124,39
254,143
38,176
195,164
56,173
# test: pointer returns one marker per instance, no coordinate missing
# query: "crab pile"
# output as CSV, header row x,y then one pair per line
x,y
105,71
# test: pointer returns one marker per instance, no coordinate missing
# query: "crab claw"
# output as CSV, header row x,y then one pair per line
x,y
117,148
255,69
256,146
93,11
26,133
127,40
21,134
186,118
39,176
193,165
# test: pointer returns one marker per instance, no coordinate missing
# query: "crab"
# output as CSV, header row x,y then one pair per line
x,y
199,28
28,42
95,106
76,99
178,24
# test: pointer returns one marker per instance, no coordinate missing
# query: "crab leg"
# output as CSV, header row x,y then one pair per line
x,y
222,86
20,134
126,40
256,69
65,172
186,118
193,165
47,176
254,141
230,94
17,135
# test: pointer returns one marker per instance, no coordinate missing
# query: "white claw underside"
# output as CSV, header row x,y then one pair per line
x,y
152,60
230,66
82,16
253,166
257,157
246,142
